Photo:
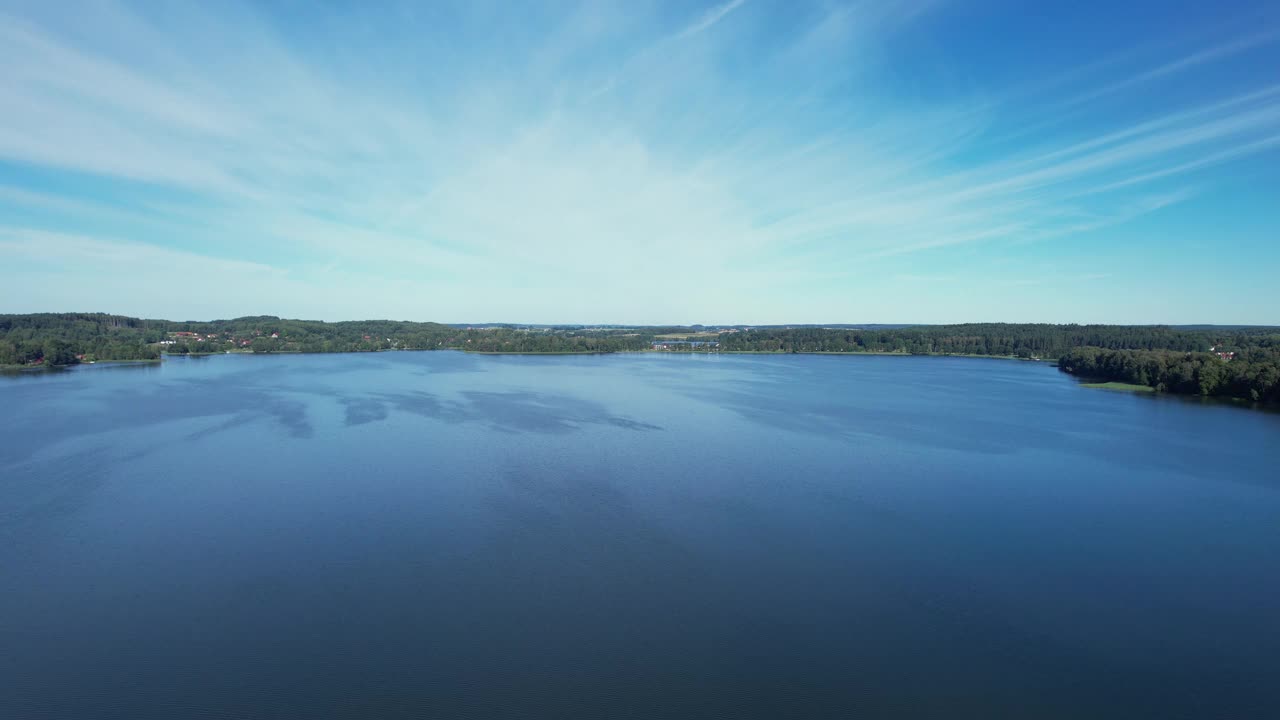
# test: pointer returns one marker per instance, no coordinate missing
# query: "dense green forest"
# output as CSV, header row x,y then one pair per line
x,y
1233,362
68,338
1251,374
65,339
1228,362
1000,339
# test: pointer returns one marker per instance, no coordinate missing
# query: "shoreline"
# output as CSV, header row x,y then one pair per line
x,y
877,353
880,353
1114,386
42,367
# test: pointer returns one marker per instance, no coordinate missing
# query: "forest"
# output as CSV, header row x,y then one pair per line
x,y
997,339
1238,362
66,339
1251,374
70,338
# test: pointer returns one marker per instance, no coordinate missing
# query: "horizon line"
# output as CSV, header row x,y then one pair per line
x,y
657,325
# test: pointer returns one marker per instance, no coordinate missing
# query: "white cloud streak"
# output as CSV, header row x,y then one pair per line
x,y
114,256
712,16
681,161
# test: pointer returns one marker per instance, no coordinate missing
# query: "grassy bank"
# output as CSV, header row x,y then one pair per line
x,y
1127,387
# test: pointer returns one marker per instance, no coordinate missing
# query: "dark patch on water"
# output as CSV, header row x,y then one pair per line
x,y
364,410
516,411
512,537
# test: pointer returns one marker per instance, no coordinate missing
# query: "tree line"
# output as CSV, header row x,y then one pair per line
x,y
995,339
68,338
1229,362
1251,374
65,339
1169,359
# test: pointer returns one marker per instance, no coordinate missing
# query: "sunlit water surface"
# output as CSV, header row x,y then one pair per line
x,y
643,536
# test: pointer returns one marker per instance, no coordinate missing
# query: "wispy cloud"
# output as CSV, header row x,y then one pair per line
x,y
113,256
733,142
711,17
1182,64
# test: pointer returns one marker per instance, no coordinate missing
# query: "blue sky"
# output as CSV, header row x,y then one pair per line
x,y
740,162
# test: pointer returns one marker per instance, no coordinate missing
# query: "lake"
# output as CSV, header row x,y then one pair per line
x,y
439,534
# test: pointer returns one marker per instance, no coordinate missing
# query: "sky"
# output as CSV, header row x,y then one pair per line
x,y
922,161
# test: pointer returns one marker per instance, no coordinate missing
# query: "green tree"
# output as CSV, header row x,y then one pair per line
x,y
265,345
58,352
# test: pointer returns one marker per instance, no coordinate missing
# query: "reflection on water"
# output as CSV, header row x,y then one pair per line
x,y
452,535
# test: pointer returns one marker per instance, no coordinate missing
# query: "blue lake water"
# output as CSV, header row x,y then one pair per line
x,y
641,536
